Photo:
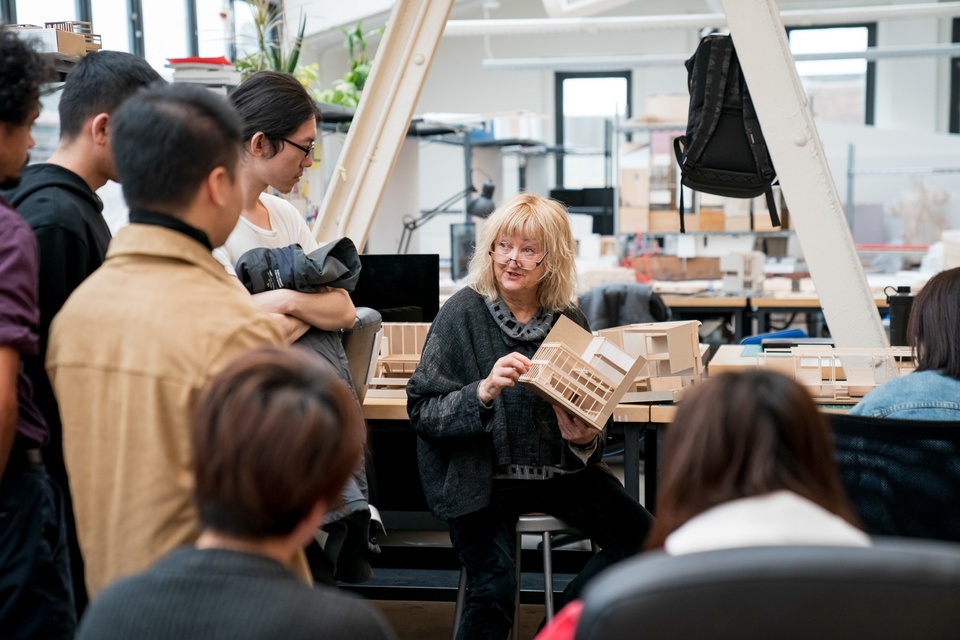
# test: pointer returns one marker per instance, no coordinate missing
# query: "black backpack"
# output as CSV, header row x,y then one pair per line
x,y
723,151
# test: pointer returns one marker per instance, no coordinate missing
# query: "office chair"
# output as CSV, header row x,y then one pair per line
x,y
620,303
901,476
899,589
784,334
361,344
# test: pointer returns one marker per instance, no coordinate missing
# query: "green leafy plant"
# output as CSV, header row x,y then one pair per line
x,y
346,91
271,51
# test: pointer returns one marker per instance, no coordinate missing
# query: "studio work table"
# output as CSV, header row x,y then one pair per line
x,y
636,422
632,420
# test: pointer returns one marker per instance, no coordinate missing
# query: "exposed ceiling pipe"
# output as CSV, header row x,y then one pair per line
x,y
793,18
605,63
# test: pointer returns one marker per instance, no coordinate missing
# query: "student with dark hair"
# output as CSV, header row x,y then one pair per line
x,y
747,462
58,198
275,436
932,392
134,344
36,599
279,130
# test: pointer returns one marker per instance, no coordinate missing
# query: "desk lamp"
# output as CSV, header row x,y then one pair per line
x,y
480,207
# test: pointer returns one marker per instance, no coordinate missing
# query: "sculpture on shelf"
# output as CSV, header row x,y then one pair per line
x,y
922,213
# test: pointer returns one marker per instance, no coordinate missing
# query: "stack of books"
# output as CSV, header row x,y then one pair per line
x,y
215,73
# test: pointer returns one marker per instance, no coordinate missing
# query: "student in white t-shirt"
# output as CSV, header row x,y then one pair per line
x,y
280,127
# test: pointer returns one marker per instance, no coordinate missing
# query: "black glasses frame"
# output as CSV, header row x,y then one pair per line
x,y
306,150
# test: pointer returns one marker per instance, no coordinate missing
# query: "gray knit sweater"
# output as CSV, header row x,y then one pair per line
x,y
216,594
460,445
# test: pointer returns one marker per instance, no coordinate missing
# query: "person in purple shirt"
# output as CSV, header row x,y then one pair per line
x,y
36,593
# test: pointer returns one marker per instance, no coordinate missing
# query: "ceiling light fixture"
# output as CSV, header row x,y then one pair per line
x,y
806,17
613,62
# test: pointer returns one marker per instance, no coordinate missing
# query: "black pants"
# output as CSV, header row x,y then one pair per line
x,y
592,500
36,593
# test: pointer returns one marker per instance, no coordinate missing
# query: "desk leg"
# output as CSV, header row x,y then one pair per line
x,y
738,326
763,321
631,458
650,466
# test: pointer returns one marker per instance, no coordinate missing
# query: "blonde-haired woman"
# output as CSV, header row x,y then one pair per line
x,y
489,449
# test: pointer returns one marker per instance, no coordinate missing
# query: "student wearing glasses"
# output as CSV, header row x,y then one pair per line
x,y
279,131
489,449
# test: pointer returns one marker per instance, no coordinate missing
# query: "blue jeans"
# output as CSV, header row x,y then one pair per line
x,y
592,500
36,592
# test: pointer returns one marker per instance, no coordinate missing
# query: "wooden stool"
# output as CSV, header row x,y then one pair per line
x,y
541,524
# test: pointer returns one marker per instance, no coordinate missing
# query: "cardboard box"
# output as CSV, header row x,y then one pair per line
x,y
673,268
53,40
691,221
634,187
667,107
761,221
664,220
712,220
634,220
736,223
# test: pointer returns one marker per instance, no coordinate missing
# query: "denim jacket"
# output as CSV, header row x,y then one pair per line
x,y
921,395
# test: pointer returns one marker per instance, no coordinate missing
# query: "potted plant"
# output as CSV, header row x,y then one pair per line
x,y
346,90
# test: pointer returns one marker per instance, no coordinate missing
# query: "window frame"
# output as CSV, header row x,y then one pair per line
x,y
870,84
559,78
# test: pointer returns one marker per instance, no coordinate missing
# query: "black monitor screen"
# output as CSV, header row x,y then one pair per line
x,y
402,287
595,201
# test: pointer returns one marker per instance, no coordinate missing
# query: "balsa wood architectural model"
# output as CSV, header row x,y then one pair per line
x,y
839,375
400,347
671,354
743,271
585,374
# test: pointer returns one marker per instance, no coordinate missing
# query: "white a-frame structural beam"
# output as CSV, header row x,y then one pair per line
x,y
389,97
815,207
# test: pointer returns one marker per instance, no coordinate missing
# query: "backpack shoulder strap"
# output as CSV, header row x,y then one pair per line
x,y
758,145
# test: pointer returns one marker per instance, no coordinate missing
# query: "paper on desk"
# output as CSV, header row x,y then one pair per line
x,y
686,246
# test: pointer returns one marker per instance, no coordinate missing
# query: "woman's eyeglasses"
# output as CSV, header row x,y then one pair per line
x,y
525,264
306,150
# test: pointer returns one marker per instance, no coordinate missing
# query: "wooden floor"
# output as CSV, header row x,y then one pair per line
x,y
434,620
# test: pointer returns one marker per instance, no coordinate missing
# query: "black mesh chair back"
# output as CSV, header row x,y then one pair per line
x,y
902,476
620,303
904,589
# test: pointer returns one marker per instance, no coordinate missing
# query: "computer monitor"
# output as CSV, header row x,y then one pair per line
x,y
402,287
463,241
595,201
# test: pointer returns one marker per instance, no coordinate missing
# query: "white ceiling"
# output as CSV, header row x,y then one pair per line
x,y
323,16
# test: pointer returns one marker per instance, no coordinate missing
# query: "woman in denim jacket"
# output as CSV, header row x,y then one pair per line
x,y
932,392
